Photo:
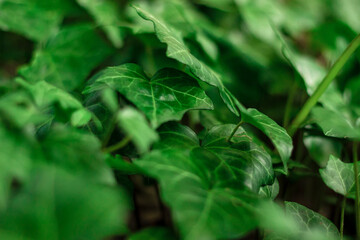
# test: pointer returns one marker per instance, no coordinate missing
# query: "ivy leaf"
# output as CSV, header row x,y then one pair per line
x,y
278,135
107,15
164,97
334,124
296,222
45,94
67,58
320,148
137,128
339,176
216,179
308,219
177,50
56,205
34,18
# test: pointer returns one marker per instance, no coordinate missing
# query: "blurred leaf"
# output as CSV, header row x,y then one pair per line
x,y
164,97
320,148
153,233
137,128
57,205
36,19
107,15
67,58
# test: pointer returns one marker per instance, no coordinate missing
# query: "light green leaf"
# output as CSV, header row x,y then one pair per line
x,y
45,94
107,15
177,50
202,183
164,97
137,128
56,205
339,176
308,219
295,223
67,58
270,191
334,124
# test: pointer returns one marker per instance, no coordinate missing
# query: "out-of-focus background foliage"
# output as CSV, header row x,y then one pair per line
x,y
49,48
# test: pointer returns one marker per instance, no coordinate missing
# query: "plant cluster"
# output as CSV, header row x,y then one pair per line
x,y
179,119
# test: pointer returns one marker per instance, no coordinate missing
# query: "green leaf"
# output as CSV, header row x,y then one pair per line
x,y
270,191
18,151
77,152
308,219
107,15
334,124
45,94
153,233
216,179
164,97
35,19
296,223
67,58
320,148
339,176
278,135
56,205
137,128
177,50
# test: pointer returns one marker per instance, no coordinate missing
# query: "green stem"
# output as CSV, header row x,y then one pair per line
x,y
357,197
335,69
234,131
343,205
118,145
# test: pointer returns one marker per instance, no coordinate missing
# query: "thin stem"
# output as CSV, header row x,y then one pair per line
x,y
118,145
357,197
335,69
234,131
343,205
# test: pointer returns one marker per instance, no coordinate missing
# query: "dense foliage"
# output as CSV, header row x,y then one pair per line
x,y
179,119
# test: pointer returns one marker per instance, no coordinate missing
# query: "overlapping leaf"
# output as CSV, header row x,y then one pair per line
x,y
164,97
177,50
210,188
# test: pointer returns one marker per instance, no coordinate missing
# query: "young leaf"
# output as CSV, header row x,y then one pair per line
x,y
67,58
137,128
177,50
339,176
164,97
